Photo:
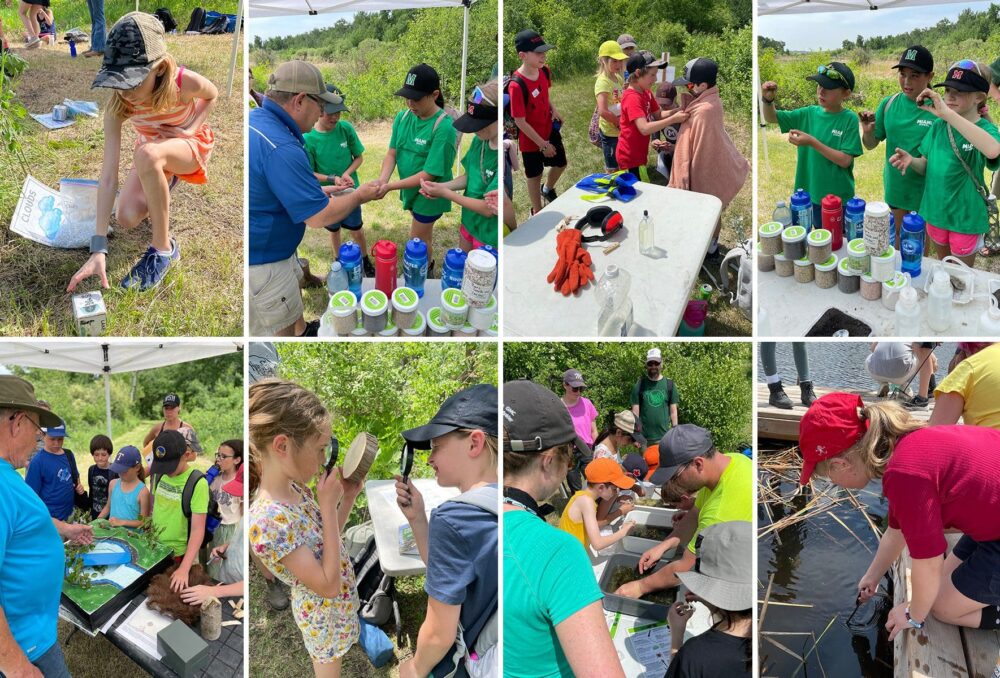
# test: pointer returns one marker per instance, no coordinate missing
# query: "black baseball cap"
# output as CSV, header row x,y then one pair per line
x,y
535,419
168,448
335,107
844,79
421,80
678,446
171,400
698,71
918,58
474,407
635,466
530,41
964,76
643,60
135,44
477,116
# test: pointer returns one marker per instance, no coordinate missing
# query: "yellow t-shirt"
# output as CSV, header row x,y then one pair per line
x,y
977,380
732,498
614,87
569,525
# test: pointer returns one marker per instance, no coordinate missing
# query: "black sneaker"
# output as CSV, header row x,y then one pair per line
x,y
430,270
368,267
917,403
312,329
549,194
778,397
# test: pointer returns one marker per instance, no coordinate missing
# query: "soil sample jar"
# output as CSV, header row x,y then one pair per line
x,y
820,243
770,238
435,324
404,306
390,329
804,271
871,289
359,330
454,308
883,266
877,220
857,256
343,312
374,310
481,317
892,288
783,266
479,278
793,240
466,331
418,328
848,280
765,262
826,273
493,331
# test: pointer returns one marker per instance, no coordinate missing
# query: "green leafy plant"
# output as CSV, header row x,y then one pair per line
x,y
75,574
12,113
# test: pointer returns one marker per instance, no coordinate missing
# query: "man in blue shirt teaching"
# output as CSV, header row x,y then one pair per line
x,y
286,197
32,560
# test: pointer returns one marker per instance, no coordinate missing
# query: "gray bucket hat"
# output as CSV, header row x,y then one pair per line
x,y
723,569
135,44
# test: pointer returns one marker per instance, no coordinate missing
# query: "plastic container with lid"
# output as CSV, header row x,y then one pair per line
x,y
404,306
466,331
989,321
854,218
907,314
802,210
418,328
848,279
857,256
804,271
343,312
826,273
878,219
415,265
871,289
892,288
454,267
435,324
765,262
939,301
770,237
820,242
793,241
783,266
454,309
832,211
492,331
481,317
390,329
883,267
479,278
350,258
385,266
374,311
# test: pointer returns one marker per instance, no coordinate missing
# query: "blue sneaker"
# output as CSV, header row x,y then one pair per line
x,y
150,270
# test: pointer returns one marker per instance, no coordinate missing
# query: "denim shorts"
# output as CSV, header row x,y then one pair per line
x,y
52,664
609,145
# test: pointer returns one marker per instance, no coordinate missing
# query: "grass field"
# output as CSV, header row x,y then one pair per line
x,y
574,99
73,14
203,294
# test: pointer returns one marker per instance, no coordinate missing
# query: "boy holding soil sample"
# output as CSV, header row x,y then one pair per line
x,y
604,478
827,136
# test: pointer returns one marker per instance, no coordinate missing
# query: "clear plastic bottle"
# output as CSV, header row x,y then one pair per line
x,y
989,321
647,244
782,214
908,314
939,301
336,281
615,316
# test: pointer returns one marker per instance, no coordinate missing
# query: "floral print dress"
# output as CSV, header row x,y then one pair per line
x,y
329,626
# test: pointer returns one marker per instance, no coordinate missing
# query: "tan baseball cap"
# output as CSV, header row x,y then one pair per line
x,y
301,77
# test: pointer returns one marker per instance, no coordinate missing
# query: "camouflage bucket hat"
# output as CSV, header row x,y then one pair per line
x,y
135,44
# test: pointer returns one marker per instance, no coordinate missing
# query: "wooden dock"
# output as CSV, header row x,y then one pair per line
x,y
940,650
778,424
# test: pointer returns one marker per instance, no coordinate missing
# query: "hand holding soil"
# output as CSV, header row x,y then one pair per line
x,y
370,191
930,100
95,266
867,121
768,90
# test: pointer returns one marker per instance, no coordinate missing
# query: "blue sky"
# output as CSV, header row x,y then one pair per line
x,y
828,30
294,25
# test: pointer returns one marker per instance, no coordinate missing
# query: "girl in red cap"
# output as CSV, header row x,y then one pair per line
x,y
935,478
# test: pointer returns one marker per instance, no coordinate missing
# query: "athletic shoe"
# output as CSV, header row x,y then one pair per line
x,y
917,403
151,268
277,594
312,329
368,267
778,397
33,43
549,194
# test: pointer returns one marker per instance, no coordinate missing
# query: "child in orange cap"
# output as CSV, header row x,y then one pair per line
x,y
604,478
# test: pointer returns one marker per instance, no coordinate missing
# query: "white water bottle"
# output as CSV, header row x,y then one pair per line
x,y
647,245
907,314
615,315
939,300
989,321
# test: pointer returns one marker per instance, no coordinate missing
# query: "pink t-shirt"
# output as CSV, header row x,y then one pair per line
x,y
583,415
944,477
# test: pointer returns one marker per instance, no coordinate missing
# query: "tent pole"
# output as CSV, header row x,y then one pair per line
x,y
236,44
107,400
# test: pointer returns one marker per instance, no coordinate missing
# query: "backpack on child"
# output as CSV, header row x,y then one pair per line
x,y
213,518
510,128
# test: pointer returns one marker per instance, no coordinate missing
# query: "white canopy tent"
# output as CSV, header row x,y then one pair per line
x,y
107,359
274,8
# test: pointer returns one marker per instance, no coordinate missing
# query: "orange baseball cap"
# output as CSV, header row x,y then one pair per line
x,y
606,470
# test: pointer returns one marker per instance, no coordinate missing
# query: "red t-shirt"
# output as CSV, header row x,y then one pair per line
x,y
538,113
944,477
633,145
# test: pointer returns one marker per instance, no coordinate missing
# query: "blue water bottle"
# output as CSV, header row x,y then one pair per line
x,y
72,48
454,267
854,218
415,265
802,210
350,259
912,246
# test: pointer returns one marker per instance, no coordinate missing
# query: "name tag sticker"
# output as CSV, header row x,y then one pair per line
x,y
535,92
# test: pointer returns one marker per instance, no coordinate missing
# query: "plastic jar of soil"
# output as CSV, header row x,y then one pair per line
x,y
404,306
374,310
765,262
466,331
793,240
479,278
343,310
481,317
783,266
804,271
857,256
492,331
848,280
359,330
390,329
826,273
770,238
871,289
418,328
435,324
883,267
820,243
892,288
877,221
454,308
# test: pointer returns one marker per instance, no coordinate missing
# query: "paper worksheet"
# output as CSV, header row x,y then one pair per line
x,y
651,648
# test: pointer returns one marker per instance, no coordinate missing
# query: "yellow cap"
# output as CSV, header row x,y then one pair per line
x,y
610,48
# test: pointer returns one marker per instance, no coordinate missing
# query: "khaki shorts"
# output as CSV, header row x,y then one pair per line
x,y
275,297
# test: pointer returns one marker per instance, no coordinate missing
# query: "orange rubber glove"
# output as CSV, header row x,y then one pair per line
x,y
567,244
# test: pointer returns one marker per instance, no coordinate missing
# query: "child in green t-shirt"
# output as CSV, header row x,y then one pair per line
x,y
479,219
422,147
827,135
960,143
901,123
335,153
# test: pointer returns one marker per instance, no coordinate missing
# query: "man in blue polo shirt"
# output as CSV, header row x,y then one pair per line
x,y
285,196
32,560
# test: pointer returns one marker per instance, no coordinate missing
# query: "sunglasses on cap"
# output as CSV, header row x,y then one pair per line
x,y
967,64
832,73
478,97
322,104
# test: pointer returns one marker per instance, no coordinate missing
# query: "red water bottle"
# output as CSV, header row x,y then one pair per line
x,y
833,219
385,266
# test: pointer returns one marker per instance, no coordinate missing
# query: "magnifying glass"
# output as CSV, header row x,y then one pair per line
x,y
406,463
332,453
